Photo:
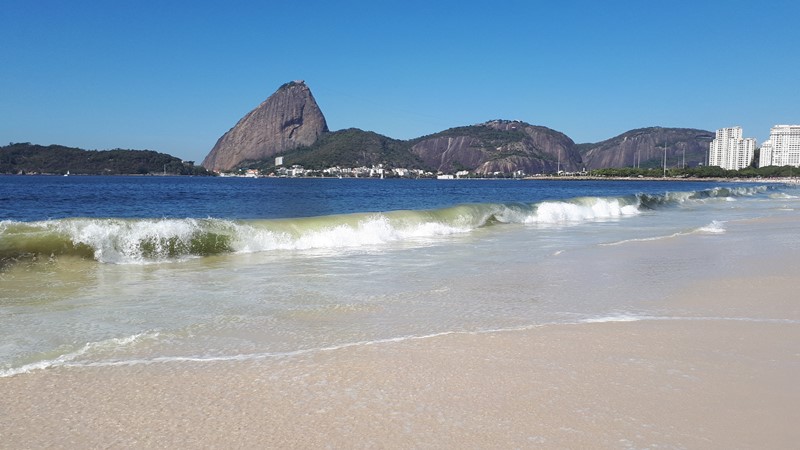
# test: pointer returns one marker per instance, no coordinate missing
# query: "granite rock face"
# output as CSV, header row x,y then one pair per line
x,y
288,119
498,146
644,147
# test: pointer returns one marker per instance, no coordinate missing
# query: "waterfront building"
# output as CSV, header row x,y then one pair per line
x,y
765,155
730,151
782,148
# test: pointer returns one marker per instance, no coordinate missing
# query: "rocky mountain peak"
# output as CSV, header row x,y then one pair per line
x,y
644,147
287,119
504,146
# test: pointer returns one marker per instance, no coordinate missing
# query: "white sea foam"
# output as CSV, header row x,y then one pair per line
x,y
680,197
120,241
645,239
616,318
733,319
783,195
245,357
715,227
580,211
638,318
68,358
374,230
145,241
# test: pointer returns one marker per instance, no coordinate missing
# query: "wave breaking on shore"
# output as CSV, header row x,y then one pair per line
x,y
144,241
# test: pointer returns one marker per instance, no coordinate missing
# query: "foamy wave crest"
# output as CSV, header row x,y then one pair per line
x,y
736,191
116,241
783,195
715,227
650,201
144,241
139,241
68,358
340,232
581,210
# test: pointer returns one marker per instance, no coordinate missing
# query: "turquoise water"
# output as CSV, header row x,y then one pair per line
x,y
133,270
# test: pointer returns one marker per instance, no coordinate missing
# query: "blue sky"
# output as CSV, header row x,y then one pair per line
x,y
173,76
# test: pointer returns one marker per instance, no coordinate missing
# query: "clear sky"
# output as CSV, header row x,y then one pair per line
x,y
173,76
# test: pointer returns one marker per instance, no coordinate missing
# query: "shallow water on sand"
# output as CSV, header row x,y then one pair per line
x,y
282,286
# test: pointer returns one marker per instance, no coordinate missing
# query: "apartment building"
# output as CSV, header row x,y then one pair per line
x,y
730,150
782,148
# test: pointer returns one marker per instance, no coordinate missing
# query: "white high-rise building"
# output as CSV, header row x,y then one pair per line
x,y
765,157
730,151
782,148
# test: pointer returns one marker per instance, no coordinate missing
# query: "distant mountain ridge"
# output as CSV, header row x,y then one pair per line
x,y
289,123
504,146
644,147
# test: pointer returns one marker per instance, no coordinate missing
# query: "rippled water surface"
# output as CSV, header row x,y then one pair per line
x,y
125,270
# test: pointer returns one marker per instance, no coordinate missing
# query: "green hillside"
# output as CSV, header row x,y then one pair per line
x,y
347,148
27,158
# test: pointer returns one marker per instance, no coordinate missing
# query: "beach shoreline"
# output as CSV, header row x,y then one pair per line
x,y
723,378
706,358
784,180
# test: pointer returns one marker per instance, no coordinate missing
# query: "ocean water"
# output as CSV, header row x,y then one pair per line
x,y
153,270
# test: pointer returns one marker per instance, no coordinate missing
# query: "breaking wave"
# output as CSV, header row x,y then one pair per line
x,y
142,241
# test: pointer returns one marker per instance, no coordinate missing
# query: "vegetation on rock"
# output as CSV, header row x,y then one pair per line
x,y
351,147
699,172
487,136
27,158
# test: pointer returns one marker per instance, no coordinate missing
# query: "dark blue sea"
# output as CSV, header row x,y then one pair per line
x,y
32,198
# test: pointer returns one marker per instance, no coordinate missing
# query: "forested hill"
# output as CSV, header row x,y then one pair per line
x,y
27,158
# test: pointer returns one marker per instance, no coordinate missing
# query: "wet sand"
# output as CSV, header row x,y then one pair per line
x,y
704,381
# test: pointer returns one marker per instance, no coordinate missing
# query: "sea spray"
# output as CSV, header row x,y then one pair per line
x,y
582,209
145,241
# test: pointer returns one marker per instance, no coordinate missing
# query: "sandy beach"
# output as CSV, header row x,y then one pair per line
x,y
374,225
704,381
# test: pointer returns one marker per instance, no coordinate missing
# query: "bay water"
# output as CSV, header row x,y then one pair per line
x,y
152,270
